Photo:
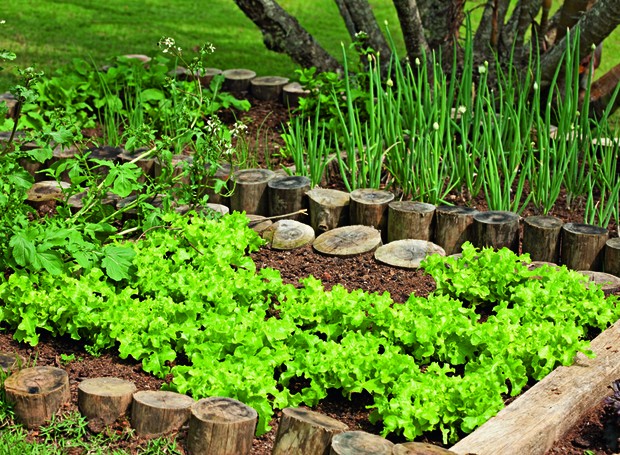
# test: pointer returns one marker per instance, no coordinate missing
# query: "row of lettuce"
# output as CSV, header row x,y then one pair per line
x,y
195,305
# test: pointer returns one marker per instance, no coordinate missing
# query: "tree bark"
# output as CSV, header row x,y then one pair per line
x,y
364,21
489,28
595,25
411,26
283,33
441,20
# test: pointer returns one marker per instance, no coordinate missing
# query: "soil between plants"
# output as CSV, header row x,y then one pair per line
x,y
595,432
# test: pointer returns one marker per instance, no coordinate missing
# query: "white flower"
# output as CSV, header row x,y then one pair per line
x,y
2,22
417,61
435,126
461,110
482,69
168,45
390,83
535,86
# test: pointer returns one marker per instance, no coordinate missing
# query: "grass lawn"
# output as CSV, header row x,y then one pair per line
x,y
50,33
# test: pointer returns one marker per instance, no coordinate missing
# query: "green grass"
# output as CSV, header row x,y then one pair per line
x,y
50,33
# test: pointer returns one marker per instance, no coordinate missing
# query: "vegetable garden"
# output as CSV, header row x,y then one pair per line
x,y
181,294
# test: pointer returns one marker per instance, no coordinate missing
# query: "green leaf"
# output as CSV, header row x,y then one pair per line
x,y
24,250
51,261
117,260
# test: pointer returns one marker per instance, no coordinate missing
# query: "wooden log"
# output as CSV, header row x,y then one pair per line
x,y
237,80
291,93
360,443
419,448
221,426
37,393
258,223
288,235
157,412
583,246
407,253
612,256
268,88
348,241
305,432
369,207
10,361
454,226
11,103
103,400
329,209
44,195
541,238
288,195
497,229
410,220
543,414
609,283
250,191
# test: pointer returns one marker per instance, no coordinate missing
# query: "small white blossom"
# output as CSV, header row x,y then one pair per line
x,y
417,61
461,110
168,45
390,83
535,86
435,126
2,22
482,69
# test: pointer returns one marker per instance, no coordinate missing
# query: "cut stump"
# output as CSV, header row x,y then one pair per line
x,y
37,393
360,443
410,220
221,426
348,241
369,207
407,253
147,165
583,246
612,257
157,412
103,400
497,229
541,238
608,283
454,226
419,448
46,193
305,432
258,223
268,88
291,93
250,191
237,80
288,195
328,208
288,235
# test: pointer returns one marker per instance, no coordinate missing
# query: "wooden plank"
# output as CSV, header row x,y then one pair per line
x,y
534,421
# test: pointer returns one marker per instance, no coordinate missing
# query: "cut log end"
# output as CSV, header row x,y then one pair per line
x,y
360,443
348,241
408,253
103,400
288,235
156,412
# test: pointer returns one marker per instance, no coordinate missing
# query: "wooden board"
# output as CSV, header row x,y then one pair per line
x,y
542,415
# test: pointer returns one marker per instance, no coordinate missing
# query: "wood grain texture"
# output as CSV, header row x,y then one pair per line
x,y
542,415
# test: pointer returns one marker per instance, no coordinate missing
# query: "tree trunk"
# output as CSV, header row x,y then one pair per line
x,y
411,26
364,21
441,20
489,29
283,33
595,25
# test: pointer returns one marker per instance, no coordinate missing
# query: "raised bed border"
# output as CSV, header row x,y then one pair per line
x,y
545,413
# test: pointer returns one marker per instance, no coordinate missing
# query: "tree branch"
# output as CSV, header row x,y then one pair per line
x,y
411,26
594,26
364,21
283,33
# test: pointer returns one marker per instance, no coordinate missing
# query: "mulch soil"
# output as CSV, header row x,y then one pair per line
x,y
596,432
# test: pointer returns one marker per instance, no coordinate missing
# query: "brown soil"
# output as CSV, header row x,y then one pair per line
x,y
361,272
